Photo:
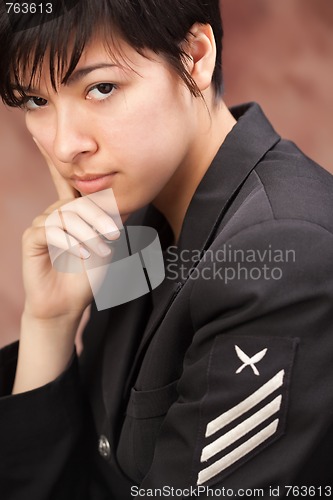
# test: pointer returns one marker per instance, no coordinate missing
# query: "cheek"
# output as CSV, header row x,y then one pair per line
x,y
31,125
39,132
150,130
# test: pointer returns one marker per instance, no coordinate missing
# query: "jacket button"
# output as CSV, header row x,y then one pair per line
x,y
104,447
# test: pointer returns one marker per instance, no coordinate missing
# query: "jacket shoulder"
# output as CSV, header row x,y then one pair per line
x,y
295,186
285,186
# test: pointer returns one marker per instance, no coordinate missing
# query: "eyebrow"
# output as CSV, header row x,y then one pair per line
x,y
81,73
76,76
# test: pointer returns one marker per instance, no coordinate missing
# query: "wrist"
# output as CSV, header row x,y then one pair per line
x,y
62,323
46,347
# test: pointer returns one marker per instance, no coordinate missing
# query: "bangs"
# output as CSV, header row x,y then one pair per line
x,y
60,41
143,24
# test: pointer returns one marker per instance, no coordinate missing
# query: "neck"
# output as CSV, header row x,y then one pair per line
x,y
174,199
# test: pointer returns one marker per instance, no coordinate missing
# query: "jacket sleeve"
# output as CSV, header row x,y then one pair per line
x,y
255,398
41,452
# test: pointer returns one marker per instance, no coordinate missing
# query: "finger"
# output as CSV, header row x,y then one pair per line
x,y
52,237
60,203
51,214
63,188
54,233
73,226
59,239
83,232
94,216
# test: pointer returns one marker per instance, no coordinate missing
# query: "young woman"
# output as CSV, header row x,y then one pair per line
x,y
219,380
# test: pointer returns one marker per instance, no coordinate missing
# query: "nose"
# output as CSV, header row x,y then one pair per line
x,y
73,136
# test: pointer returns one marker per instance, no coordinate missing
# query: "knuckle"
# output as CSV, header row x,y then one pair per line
x,y
39,221
26,235
56,205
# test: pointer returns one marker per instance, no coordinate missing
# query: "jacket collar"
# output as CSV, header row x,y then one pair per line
x,y
243,148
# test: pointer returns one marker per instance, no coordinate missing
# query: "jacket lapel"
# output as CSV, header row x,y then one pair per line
x,y
117,338
243,148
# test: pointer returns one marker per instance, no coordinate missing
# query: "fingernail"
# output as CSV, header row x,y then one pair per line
x,y
103,250
84,253
112,235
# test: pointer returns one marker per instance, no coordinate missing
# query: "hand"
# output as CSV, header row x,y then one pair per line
x,y
51,294
55,301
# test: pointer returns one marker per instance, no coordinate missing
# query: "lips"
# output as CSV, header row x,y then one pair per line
x,y
91,183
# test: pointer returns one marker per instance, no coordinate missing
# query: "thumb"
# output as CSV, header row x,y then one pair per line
x,y
63,188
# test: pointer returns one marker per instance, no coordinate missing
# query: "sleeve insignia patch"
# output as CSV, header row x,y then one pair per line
x,y
243,413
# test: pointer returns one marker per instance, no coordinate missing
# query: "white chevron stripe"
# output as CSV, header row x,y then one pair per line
x,y
245,405
237,453
241,429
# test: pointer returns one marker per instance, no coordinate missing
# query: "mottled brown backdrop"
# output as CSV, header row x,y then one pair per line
x,y
278,53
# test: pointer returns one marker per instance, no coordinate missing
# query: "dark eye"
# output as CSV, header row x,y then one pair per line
x,y
101,91
35,102
105,88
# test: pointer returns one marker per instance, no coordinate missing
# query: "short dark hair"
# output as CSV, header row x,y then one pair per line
x,y
158,25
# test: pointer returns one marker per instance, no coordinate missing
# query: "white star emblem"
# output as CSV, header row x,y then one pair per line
x,y
247,361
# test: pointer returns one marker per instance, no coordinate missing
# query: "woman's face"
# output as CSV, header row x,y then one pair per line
x,y
114,126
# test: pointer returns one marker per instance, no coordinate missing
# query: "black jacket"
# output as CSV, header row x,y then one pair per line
x,y
222,377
